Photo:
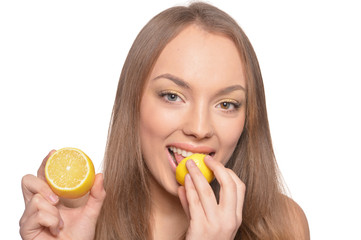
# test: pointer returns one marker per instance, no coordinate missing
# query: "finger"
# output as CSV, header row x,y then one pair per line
x,y
96,198
183,199
32,185
36,204
204,190
241,191
41,170
45,219
196,211
228,188
40,214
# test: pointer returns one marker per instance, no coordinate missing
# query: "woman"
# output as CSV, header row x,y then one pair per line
x,y
190,84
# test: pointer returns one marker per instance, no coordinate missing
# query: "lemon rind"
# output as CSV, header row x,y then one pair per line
x,y
71,192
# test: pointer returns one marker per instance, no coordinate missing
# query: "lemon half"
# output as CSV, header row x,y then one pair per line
x,y
181,170
70,173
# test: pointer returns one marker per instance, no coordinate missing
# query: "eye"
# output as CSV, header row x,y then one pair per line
x,y
229,105
170,96
226,105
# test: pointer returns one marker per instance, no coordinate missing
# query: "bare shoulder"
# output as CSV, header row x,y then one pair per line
x,y
298,220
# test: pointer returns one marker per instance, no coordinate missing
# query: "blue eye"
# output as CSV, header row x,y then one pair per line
x,y
170,96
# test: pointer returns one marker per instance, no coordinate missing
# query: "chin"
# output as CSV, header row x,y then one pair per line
x,y
172,188
164,185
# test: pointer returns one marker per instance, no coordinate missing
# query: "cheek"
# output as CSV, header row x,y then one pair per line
x,y
229,134
156,122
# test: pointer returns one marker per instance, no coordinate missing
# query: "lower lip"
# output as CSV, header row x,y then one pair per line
x,y
171,162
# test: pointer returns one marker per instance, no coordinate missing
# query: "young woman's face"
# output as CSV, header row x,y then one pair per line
x,y
193,102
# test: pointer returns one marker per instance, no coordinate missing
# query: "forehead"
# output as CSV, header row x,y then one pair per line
x,y
201,57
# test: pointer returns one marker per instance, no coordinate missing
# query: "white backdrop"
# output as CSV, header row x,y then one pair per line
x,y
60,62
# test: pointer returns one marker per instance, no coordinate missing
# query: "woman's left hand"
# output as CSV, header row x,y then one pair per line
x,y
209,219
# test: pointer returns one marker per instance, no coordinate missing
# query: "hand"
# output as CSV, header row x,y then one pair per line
x,y
209,219
48,217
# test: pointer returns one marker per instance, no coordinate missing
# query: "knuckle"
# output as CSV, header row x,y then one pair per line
x,y
56,221
37,199
25,179
227,179
243,187
54,210
21,221
231,225
47,219
40,216
21,231
230,183
233,186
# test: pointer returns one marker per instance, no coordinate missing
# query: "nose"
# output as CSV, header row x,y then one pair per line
x,y
198,123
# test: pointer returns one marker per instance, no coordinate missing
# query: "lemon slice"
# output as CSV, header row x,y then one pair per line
x,y
181,170
70,173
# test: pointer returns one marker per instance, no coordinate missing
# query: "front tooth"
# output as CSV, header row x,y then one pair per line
x,y
179,151
184,153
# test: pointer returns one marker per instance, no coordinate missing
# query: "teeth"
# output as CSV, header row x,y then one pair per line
x,y
184,153
179,151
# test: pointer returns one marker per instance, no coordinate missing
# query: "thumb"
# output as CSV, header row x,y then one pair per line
x,y
41,170
96,198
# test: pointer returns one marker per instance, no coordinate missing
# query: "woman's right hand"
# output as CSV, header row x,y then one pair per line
x,y
47,217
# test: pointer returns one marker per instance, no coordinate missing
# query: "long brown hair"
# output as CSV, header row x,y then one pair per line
x,y
126,210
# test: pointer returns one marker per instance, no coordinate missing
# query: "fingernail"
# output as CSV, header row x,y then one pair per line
x,y
190,163
53,198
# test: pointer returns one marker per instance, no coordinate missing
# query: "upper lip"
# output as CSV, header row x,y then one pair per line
x,y
193,148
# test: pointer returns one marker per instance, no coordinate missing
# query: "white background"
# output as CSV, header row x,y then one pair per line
x,y
60,62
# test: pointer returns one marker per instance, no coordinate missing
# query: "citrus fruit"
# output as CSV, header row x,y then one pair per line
x,y
69,173
181,170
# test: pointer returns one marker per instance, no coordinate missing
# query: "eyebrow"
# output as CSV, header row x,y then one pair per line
x,y
180,82
231,89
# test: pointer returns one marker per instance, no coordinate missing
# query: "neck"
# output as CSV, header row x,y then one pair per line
x,y
169,220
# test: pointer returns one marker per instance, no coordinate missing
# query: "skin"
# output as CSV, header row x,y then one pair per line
x,y
207,63
196,111
48,217
197,119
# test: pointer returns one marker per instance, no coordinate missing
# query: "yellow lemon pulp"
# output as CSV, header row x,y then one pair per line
x,y
181,170
70,173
